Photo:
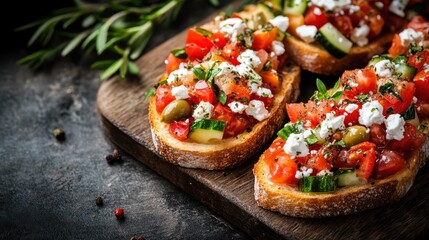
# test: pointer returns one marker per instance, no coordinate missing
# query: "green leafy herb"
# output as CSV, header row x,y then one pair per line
x,y
204,32
312,139
221,96
179,53
323,94
149,93
389,88
410,113
290,128
118,30
415,49
339,143
208,75
267,66
363,97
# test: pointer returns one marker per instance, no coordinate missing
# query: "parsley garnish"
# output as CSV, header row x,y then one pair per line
x,y
389,88
179,53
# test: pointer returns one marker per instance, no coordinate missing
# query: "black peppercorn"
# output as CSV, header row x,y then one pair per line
x,y
110,159
116,155
59,134
137,238
99,201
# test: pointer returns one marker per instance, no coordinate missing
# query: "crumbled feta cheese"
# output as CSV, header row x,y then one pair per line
x,y
325,172
308,133
395,127
398,7
353,9
278,48
414,99
304,172
177,75
317,11
281,22
351,107
264,92
307,33
313,152
331,123
180,92
410,36
232,27
384,68
254,80
332,4
237,107
249,58
296,146
203,110
359,35
371,113
257,110
228,70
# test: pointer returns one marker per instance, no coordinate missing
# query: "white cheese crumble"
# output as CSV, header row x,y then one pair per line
x,y
395,127
410,36
180,92
237,107
307,33
203,110
398,6
281,22
371,113
249,58
304,172
332,4
177,75
384,68
257,110
232,27
278,48
254,80
264,92
359,35
331,123
296,146
351,107
325,172
227,70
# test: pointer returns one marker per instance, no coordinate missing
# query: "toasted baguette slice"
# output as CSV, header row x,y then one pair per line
x,y
228,152
347,200
314,58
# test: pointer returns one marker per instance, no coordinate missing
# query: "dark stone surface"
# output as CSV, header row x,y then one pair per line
x,y
48,188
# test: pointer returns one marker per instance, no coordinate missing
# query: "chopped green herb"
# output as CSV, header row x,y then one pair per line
x,y
290,128
179,53
323,94
267,66
410,113
204,32
389,88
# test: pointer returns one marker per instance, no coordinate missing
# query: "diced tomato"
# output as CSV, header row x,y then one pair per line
x,y
323,159
231,51
421,80
393,104
268,102
422,109
195,52
238,93
360,156
343,23
198,38
271,77
373,17
173,63
413,139
202,92
262,39
180,129
264,57
235,123
359,81
275,148
295,20
310,111
389,163
283,169
315,16
218,39
418,23
396,48
377,135
419,59
350,118
163,97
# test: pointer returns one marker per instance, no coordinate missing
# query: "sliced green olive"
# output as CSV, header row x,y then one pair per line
x,y
176,110
259,19
355,135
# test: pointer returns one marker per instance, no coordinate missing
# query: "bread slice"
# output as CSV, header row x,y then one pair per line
x,y
314,58
229,152
347,200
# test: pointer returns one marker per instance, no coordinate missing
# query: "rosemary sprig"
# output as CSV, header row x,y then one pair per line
x,y
119,27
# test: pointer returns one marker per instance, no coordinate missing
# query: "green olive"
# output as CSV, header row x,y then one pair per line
x,y
259,19
355,135
176,110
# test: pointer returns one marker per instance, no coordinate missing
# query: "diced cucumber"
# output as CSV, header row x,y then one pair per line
x,y
317,184
333,41
377,59
294,6
349,178
266,10
404,71
206,130
400,59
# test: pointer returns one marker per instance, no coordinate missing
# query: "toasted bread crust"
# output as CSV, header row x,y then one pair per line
x,y
232,151
289,201
313,58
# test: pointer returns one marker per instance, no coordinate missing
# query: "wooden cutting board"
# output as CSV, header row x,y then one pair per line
x,y
124,119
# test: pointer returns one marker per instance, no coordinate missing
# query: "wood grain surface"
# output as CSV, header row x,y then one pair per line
x,y
124,119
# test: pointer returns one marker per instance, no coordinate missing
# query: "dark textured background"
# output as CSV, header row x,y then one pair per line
x,y
48,188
